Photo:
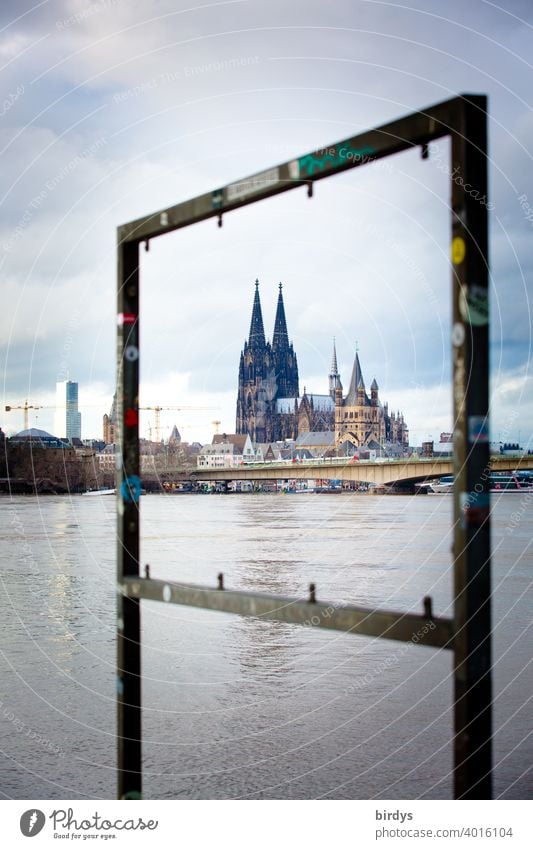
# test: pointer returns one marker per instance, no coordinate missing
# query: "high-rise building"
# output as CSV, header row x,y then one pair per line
x,y
67,417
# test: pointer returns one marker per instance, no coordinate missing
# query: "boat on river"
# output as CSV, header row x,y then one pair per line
x,y
100,492
442,486
499,482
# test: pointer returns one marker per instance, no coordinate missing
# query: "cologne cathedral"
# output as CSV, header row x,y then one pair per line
x,y
270,407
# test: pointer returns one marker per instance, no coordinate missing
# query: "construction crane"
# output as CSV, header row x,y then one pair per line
x,y
26,407
157,416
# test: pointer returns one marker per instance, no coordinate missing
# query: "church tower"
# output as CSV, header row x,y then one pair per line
x,y
283,356
256,380
359,418
334,376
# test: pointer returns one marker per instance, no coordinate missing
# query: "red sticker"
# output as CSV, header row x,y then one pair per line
x,y
126,318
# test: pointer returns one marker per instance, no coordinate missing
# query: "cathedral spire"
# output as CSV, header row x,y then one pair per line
x,y
334,376
334,367
280,339
257,331
283,356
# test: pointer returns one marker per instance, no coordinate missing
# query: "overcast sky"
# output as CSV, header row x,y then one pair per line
x,y
113,109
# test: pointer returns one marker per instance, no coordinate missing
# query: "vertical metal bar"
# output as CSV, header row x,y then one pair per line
x,y
128,493
470,341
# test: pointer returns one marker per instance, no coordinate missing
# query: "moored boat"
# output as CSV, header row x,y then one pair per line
x,y
499,482
100,492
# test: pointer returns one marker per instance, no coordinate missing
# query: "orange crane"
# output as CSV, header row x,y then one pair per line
x,y
157,415
26,407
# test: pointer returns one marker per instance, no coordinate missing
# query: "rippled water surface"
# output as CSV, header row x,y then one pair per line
x,y
239,707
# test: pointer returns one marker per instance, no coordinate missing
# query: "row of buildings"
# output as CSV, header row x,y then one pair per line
x,y
279,420
270,408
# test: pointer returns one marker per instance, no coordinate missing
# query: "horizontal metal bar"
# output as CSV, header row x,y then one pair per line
x,y
410,131
406,627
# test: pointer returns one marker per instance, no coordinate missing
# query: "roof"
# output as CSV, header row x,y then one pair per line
x,y
356,383
303,454
321,403
109,449
286,405
35,433
316,438
238,440
175,435
219,448
45,439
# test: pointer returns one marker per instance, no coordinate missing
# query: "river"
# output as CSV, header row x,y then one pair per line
x,y
242,708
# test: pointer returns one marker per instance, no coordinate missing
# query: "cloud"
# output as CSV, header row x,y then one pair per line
x,y
128,108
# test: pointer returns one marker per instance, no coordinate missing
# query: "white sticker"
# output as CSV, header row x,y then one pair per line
x,y
294,169
163,219
167,593
131,353
458,334
252,185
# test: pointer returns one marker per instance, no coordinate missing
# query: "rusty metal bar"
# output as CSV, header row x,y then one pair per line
x,y
405,627
414,130
470,351
128,492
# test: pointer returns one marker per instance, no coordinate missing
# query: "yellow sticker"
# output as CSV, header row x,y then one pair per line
x,y
458,250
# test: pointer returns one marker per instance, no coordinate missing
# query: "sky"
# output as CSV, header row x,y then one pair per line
x,y
113,109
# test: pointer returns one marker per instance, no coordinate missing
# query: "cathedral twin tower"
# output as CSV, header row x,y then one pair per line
x,y
269,406
267,373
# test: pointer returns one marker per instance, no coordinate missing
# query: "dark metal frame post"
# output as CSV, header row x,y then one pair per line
x,y
128,492
470,334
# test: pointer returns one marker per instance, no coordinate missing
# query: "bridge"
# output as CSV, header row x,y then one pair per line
x,y
381,473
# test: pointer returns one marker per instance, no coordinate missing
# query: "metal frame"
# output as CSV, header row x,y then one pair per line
x,y
469,632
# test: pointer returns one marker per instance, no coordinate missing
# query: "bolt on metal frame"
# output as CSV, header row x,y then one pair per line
x,y
468,633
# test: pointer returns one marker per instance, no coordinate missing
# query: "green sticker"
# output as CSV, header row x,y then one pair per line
x,y
474,305
329,158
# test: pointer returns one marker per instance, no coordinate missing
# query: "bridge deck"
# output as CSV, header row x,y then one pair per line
x,y
379,473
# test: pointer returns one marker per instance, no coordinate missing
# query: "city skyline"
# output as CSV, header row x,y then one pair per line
x,y
92,139
45,415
